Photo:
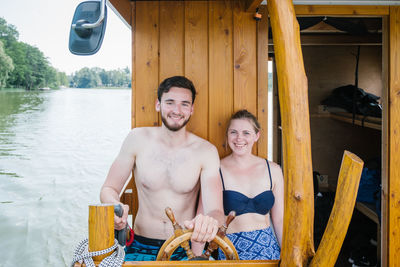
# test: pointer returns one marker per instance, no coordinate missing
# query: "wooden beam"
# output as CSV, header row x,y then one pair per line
x,y
340,39
337,39
133,49
385,142
339,220
101,229
326,10
393,194
249,263
272,263
251,5
297,244
123,10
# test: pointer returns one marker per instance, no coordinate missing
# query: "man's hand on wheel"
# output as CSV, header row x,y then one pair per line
x,y
204,228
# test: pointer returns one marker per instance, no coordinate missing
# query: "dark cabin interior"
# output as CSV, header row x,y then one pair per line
x,y
343,53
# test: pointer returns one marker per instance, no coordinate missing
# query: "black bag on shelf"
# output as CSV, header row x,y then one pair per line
x,y
365,103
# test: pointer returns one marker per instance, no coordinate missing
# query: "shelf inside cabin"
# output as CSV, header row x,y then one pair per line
x,y
360,120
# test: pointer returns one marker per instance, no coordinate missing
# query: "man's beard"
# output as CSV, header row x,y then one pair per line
x,y
173,128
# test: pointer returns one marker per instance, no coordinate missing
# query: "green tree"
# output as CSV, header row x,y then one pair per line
x,y
32,69
50,78
17,53
6,65
97,77
8,33
37,69
87,78
105,78
62,79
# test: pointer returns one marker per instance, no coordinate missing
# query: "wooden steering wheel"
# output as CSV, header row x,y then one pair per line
x,y
181,238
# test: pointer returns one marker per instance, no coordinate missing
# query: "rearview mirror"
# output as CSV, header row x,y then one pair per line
x,y
88,27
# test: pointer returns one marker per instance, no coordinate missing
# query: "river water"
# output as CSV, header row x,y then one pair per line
x,y
55,151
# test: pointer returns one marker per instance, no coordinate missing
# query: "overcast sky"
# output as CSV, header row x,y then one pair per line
x,y
46,24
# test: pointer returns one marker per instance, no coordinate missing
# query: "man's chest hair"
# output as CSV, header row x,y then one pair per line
x,y
179,171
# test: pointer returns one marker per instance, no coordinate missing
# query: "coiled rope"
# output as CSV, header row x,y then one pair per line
x,y
116,259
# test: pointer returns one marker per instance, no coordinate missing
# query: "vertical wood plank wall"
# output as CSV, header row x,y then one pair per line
x,y
262,96
196,62
147,62
393,194
217,45
220,70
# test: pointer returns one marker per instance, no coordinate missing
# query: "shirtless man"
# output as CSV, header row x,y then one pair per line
x,y
170,166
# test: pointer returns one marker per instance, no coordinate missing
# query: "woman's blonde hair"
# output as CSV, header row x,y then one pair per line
x,y
244,114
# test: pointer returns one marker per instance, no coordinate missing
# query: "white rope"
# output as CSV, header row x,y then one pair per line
x,y
116,259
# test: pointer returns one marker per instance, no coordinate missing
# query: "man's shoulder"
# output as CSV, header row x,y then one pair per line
x,y
140,136
203,146
201,142
143,131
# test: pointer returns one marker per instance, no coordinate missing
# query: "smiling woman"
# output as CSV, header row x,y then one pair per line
x,y
253,187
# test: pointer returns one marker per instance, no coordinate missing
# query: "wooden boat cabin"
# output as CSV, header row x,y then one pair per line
x,y
282,67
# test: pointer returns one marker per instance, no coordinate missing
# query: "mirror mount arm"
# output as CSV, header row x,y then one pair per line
x,y
99,20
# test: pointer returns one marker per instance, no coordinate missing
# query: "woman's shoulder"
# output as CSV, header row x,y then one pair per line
x,y
264,161
227,162
276,172
274,165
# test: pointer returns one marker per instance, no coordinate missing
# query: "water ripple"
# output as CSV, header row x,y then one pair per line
x,y
59,145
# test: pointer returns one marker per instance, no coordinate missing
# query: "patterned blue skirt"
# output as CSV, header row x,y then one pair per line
x,y
255,245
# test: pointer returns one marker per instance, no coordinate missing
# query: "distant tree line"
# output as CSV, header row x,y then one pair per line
x,y
23,65
100,78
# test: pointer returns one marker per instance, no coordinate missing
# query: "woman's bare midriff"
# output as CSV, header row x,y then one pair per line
x,y
249,222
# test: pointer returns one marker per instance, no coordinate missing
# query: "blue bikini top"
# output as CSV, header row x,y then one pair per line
x,y
241,204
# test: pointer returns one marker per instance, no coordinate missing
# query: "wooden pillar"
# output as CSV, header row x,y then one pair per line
x,y
385,141
392,193
298,245
101,229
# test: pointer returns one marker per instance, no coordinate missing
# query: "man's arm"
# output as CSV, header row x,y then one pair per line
x,y
117,176
211,187
210,210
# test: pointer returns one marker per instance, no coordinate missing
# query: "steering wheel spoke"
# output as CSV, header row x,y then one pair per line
x,y
181,238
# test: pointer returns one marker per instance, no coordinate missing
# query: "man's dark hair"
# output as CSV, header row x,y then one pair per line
x,y
176,81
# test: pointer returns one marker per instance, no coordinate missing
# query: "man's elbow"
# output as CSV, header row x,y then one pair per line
x,y
108,194
103,194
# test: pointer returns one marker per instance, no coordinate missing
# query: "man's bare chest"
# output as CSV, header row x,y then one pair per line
x,y
178,171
